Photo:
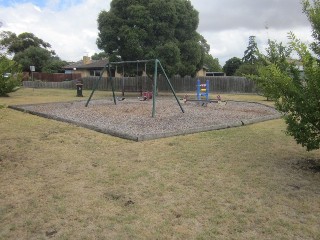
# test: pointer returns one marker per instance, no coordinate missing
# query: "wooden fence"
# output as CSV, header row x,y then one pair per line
x,y
137,84
51,77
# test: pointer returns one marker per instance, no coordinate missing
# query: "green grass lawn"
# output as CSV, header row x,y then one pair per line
x,y
61,181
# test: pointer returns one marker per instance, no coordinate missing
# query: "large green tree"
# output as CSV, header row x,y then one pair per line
x,y
251,59
148,29
99,56
29,50
212,63
231,66
296,95
18,43
251,54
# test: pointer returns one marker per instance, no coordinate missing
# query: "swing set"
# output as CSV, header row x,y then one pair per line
x,y
157,64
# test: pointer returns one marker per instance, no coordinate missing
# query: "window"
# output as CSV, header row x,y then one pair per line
x,y
95,73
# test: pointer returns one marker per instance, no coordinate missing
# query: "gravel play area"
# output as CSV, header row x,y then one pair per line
x,y
131,118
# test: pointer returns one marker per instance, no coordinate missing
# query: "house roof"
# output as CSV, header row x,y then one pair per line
x,y
73,65
97,64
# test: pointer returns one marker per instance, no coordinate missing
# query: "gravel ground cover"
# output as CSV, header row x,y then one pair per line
x,y
131,118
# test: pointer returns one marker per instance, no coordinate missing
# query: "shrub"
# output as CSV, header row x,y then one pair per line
x,y
10,76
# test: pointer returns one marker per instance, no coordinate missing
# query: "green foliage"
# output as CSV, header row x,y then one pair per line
x,y
30,50
247,69
99,56
54,65
297,98
312,10
211,63
163,29
15,44
32,56
278,54
251,55
232,65
10,76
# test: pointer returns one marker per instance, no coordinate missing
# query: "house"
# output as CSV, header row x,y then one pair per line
x,y
90,68
202,72
93,68
215,74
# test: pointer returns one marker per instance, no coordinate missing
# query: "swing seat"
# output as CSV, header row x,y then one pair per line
x,y
147,95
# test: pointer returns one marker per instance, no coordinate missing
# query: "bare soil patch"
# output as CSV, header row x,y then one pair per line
x,y
131,118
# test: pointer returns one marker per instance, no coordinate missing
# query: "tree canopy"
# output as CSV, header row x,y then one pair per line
x,y
212,63
231,66
148,29
251,55
312,10
16,44
99,56
29,50
296,95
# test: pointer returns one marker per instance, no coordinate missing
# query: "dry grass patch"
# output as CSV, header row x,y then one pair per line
x,y
65,182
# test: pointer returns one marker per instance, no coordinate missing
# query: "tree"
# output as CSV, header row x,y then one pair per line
x,y
251,55
298,98
29,50
313,13
32,56
212,63
278,54
99,56
54,65
247,69
232,65
15,44
148,29
10,77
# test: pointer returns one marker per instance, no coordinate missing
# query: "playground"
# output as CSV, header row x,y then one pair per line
x,y
61,181
131,118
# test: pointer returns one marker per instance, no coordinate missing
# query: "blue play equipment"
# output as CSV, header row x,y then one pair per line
x,y
202,90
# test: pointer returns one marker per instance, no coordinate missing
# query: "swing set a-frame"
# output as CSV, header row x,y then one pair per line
x,y
157,64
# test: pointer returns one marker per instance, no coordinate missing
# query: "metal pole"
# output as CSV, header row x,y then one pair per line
x,y
198,90
170,85
154,88
95,86
207,90
112,85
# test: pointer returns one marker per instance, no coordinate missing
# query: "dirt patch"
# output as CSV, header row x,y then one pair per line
x,y
131,118
312,165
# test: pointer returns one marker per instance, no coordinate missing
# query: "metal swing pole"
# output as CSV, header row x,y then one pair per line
x,y
171,87
112,85
122,80
154,88
96,85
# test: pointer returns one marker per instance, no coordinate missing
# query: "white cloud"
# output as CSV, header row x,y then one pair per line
x,y
71,26
72,31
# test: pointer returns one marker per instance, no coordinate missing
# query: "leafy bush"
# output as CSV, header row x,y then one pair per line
x,y
10,76
295,95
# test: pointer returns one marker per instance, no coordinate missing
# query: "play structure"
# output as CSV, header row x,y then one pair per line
x,y
203,90
148,95
202,95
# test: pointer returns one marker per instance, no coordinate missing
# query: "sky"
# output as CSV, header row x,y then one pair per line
x,y
70,26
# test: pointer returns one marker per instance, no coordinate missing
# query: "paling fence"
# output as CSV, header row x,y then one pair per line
x,y
50,77
139,84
